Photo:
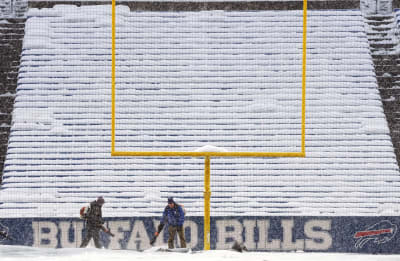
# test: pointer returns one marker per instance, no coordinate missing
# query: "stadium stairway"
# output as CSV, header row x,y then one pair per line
x,y
383,37
229,79
11,37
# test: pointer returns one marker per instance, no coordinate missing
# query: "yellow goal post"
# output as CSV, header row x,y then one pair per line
x,y
205,154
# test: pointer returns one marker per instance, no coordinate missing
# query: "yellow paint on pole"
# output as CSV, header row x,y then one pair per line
x,y
205,154
207,196
303,81
113,78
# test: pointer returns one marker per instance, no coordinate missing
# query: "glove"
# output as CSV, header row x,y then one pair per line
x,y
153,240
109,232
160,227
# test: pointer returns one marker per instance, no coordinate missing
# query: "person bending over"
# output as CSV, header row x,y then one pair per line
x,y
174,217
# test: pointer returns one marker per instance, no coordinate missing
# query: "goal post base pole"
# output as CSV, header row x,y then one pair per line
x,y
207,196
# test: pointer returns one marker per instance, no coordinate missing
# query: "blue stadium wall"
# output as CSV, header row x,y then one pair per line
x,y
374,235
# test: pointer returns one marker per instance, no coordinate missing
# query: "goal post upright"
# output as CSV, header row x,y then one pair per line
x,y
205,154
303,81
113,14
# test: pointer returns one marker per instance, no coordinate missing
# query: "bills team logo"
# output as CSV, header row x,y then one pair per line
x,y
4,235
379,233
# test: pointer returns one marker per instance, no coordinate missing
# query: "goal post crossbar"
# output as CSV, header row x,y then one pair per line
x,y
206,154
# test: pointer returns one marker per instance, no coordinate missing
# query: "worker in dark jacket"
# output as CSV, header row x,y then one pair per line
x,y
94,222
174,216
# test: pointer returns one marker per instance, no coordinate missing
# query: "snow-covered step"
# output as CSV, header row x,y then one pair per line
x,y
384,42
11,36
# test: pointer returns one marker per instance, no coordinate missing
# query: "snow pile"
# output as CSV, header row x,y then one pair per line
x,y
210,148
188,80
12,253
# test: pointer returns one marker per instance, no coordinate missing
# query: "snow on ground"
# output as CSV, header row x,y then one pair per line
x,y
9,253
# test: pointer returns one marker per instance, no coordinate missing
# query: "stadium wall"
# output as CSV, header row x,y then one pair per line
x,y
373,235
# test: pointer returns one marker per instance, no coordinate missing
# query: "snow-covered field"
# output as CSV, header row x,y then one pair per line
x,y
8,253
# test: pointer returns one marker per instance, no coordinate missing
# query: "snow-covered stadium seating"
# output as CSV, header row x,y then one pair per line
x,y
228,79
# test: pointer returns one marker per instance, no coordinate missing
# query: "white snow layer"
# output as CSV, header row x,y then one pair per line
x,y
211,148
188,80
14,253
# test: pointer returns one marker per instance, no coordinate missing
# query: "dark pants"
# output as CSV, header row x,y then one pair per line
x,y
172,232
92,232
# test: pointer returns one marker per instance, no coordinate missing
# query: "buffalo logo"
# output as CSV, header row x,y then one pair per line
x,y
379,233
4,235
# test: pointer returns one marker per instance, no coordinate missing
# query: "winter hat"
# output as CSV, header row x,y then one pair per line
x,y
100,200
171,200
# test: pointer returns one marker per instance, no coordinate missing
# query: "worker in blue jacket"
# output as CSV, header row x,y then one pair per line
x,y
174,216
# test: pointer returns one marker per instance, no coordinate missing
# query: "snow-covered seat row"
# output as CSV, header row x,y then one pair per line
x,y
186,80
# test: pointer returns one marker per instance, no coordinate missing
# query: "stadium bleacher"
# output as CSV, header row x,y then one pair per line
x,y
222,77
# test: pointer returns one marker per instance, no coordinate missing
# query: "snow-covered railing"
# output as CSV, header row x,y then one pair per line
x,y
374,7
13,8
